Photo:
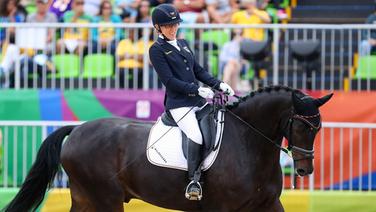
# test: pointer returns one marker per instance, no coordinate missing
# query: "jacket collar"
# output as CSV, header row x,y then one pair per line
x,y
170,47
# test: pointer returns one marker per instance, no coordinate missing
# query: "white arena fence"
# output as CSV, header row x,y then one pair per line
x,y
343,152
335,65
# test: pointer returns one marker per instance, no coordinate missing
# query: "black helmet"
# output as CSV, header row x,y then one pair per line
x,y
165,14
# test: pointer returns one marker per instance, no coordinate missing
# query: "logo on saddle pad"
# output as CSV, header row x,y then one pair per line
x,y
167,144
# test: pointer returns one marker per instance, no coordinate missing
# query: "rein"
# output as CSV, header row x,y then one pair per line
x,y
225,100
307,154
260,133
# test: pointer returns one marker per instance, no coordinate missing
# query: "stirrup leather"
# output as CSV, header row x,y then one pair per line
x,y
195,194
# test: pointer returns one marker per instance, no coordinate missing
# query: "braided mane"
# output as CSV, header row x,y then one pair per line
x,y
263,90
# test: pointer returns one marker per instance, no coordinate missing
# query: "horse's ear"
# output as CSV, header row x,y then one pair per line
x,y
320,101
296,101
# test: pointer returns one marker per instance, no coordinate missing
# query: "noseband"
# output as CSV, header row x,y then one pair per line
x,y
307,154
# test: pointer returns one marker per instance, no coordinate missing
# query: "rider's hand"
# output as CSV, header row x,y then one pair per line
x,y
206,93
226,88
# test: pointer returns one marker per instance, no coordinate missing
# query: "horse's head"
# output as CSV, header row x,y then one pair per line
x,y
303,126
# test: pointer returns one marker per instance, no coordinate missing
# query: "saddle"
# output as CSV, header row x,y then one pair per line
x,y
207,121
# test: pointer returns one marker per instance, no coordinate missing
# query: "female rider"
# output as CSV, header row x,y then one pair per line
x,y
178,70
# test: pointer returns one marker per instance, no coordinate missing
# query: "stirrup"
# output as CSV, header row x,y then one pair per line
x,y
194,193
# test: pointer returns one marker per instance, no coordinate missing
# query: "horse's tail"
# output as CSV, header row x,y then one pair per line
x,y
41,174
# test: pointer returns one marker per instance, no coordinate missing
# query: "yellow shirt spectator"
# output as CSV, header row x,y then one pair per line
x,y
106,33
131,53
243,17
76,33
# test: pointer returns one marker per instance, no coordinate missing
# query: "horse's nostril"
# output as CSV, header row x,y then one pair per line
x,y
301,172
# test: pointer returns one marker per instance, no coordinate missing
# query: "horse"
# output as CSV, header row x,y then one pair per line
x,y
106,163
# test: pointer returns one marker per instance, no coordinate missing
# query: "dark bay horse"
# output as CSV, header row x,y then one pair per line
x,y
106,162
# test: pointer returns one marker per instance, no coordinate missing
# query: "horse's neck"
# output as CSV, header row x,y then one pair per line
x,y
266,114
256,158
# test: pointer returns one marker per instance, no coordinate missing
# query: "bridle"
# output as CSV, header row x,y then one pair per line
x,y
306,154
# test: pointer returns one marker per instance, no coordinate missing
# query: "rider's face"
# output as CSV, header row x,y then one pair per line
x,y
170,30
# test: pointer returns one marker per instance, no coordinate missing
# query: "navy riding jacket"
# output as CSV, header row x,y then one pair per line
x,y
179,72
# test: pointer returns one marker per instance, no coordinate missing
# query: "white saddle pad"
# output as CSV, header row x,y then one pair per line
x,y
165,146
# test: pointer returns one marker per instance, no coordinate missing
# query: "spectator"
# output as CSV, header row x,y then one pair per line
x,y
59,7
191,11
130,53
10,11
219,11
230,60
38,57
368,43
26,2
42,15
104,38
75,39
126,16
251,15
128,5
92,7
143,12
20,9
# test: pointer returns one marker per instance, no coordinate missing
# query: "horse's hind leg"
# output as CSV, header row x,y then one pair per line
x,y
95,199
79,202
107,198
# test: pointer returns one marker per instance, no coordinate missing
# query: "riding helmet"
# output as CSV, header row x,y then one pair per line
x,y
165,14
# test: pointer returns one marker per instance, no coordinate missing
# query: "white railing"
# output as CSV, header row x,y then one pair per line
x,y
334,68
343,152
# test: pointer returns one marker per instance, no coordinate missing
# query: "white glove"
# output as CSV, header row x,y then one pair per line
x,y
226,88
206,93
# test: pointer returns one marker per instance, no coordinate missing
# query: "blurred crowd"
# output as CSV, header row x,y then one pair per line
x,y
125,45
193,11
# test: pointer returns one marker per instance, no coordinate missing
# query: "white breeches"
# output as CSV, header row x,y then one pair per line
x,y
188,124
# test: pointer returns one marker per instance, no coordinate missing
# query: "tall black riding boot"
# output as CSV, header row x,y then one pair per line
x,y
194,190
